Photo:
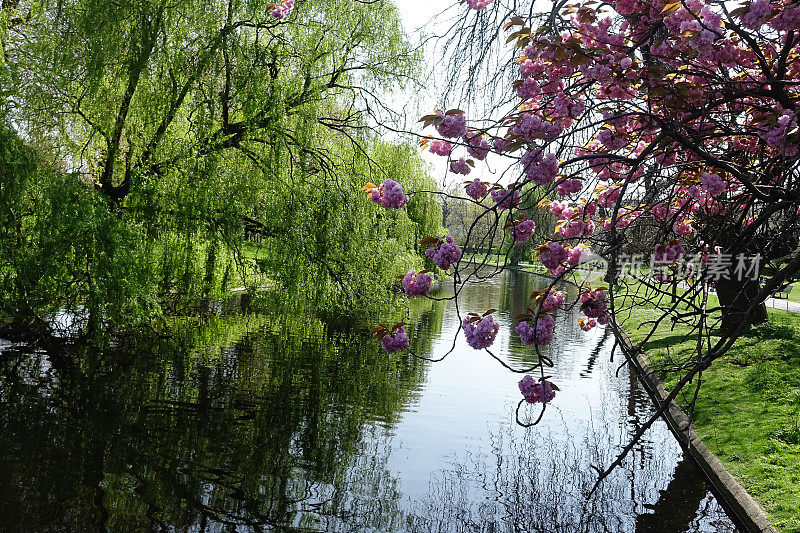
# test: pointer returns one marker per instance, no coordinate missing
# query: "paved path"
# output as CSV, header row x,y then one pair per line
x,y
783,303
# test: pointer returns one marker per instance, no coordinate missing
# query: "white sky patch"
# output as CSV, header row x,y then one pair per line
x,y
431,17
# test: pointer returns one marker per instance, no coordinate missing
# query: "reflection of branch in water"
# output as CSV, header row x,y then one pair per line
x,y
585,373
539,482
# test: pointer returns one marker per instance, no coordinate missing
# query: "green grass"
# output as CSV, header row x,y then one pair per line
x,y
748,409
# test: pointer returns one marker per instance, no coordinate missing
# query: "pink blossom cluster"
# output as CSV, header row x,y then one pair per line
x,y
506,198
538,168
480,334
663,211
553,301
389,194
587,324
683,227
417,284
776,136
557,209
440,147
612,139
500,144
445,253
563,210
668,254
552,255
451,126
712,183
540,335
394,342
282,9
524,230
477,189
528,89
567,108
787,20
579,254
594,304
460,167
536,392
532,127
576,227
757,14
567,187
477,145
702,200
478,4
608,197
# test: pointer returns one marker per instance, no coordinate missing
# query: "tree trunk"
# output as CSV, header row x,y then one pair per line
x,y
516,249
736,297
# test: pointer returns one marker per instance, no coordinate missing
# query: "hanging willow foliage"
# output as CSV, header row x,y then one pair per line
x,y
164,133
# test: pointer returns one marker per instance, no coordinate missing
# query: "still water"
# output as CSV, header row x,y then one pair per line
x,y
281,423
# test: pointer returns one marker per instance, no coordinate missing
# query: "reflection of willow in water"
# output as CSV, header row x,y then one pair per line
x,y
272,425
531,482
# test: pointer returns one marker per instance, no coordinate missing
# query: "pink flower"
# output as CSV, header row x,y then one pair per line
x,y
540,169
445,253
684,227
534,392
552,255
666,254
481,333
572,228
532,127
417,284
594,305
567,187
712,183
451,126
500,144
459,167
478,146
579,254
477,189
440,147
608,197
553,301
389,194
478,4
394,342
757,14
524,230
560,209
541,335
506,198
282,9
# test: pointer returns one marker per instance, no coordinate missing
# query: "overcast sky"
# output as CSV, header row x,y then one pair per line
x,y
415,13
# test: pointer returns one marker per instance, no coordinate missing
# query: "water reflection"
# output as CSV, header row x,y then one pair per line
x,y
268,427
283,423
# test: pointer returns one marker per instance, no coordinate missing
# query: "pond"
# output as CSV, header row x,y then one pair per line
x,y
243,423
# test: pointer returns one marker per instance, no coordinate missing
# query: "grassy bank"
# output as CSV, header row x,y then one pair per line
x,y
748,409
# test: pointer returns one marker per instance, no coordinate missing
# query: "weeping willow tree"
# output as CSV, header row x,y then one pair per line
x,y
163,130
328,249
